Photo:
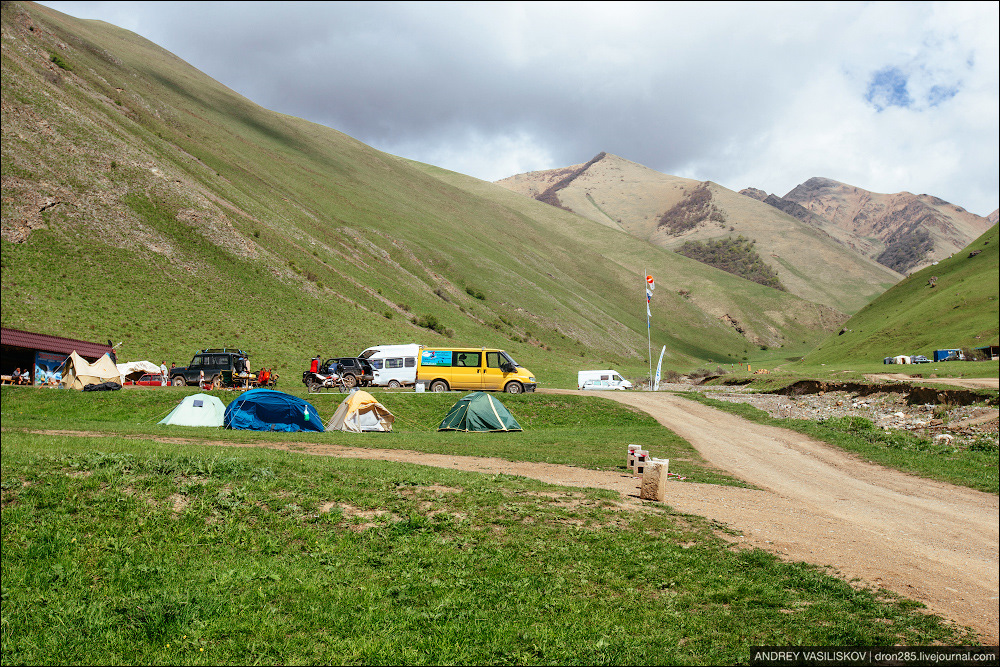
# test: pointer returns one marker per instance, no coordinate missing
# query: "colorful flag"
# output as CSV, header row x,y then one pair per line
x,y
649,281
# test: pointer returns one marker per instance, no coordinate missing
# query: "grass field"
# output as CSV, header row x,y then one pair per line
x,y
124,550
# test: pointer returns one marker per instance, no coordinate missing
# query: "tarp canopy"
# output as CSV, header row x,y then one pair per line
x,y
479,411
269,410
132,370
197,410
77,372
360,412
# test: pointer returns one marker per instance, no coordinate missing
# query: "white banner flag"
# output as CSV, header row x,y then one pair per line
x,y
659,364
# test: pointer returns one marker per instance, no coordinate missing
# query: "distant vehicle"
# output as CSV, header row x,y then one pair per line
x,y
148,380
393,365
210,361
603,385
473,369
920,359
889,360
353,371
948,355
611,376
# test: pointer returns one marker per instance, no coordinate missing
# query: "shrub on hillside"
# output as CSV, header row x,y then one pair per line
x,y
689,212
733,255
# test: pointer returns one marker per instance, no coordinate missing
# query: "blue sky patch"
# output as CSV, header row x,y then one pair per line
x,y
887,88
939,94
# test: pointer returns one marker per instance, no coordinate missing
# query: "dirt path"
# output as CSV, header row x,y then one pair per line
x,y
968,383
926,540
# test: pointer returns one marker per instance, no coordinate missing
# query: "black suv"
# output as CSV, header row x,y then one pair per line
x,y
355,372
212,362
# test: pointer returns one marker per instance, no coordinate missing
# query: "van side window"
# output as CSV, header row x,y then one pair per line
x,y
394,363
467,359
494,360
410,362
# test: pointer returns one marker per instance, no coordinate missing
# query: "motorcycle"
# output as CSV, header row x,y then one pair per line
x,y
316,381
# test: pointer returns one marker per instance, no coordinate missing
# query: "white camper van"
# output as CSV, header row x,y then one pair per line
x,y
393,365
609,379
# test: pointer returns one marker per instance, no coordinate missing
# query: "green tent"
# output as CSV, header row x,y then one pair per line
x,y
197,410
479,412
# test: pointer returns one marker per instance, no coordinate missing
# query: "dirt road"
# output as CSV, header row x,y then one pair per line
x,y
968,383
926,540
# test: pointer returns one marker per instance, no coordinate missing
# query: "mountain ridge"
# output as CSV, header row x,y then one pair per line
x,y
903,231
668,211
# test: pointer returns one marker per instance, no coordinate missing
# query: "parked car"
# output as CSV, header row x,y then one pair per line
x,y
354,372
148,380
920,359
603,385
612,377
210,361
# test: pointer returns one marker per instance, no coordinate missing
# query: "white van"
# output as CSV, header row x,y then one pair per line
x,y
609,379
393,365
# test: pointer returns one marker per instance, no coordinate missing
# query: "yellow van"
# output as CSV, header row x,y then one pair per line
x,y
475,369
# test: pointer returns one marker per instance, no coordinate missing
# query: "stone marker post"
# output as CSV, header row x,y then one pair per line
x,y
654,480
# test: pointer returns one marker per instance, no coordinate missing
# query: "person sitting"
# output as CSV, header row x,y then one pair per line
x,y
263,377
15,377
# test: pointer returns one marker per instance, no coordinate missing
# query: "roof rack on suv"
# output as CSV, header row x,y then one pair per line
x,y
223,349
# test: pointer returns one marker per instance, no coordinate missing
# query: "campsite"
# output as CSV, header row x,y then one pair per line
x,y
440,503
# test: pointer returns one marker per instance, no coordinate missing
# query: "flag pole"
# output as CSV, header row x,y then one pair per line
x,y
649,339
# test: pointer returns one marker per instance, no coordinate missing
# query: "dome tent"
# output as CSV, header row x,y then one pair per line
x,y
269,410
360,412
479,411
197,410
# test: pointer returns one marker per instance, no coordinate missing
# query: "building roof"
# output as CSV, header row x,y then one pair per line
x,y
44,343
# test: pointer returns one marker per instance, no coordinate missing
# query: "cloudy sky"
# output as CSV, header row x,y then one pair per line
x,y
886,96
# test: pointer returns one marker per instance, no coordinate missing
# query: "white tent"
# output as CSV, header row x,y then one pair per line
x,y
78,373
197,410
902,359
360,412
131,370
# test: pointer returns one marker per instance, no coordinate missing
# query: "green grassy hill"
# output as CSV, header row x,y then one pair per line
x,y
914,317
145,202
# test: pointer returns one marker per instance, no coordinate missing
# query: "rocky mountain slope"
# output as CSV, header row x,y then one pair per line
x,y
669,211
902,231
145,202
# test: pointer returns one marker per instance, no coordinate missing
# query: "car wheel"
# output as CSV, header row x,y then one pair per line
x,y
514,388
394,384
350,381
178,381
439,386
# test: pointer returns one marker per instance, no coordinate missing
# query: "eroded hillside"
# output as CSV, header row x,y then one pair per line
x,y
145,202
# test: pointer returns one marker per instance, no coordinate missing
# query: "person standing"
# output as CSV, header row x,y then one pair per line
x,y
164,378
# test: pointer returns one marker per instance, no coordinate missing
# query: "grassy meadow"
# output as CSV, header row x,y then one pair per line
x,y
120,548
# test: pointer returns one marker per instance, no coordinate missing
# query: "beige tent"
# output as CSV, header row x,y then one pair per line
x,y
77,372
360,412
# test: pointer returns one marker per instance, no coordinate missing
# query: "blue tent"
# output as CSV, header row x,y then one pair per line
x,y
269,410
